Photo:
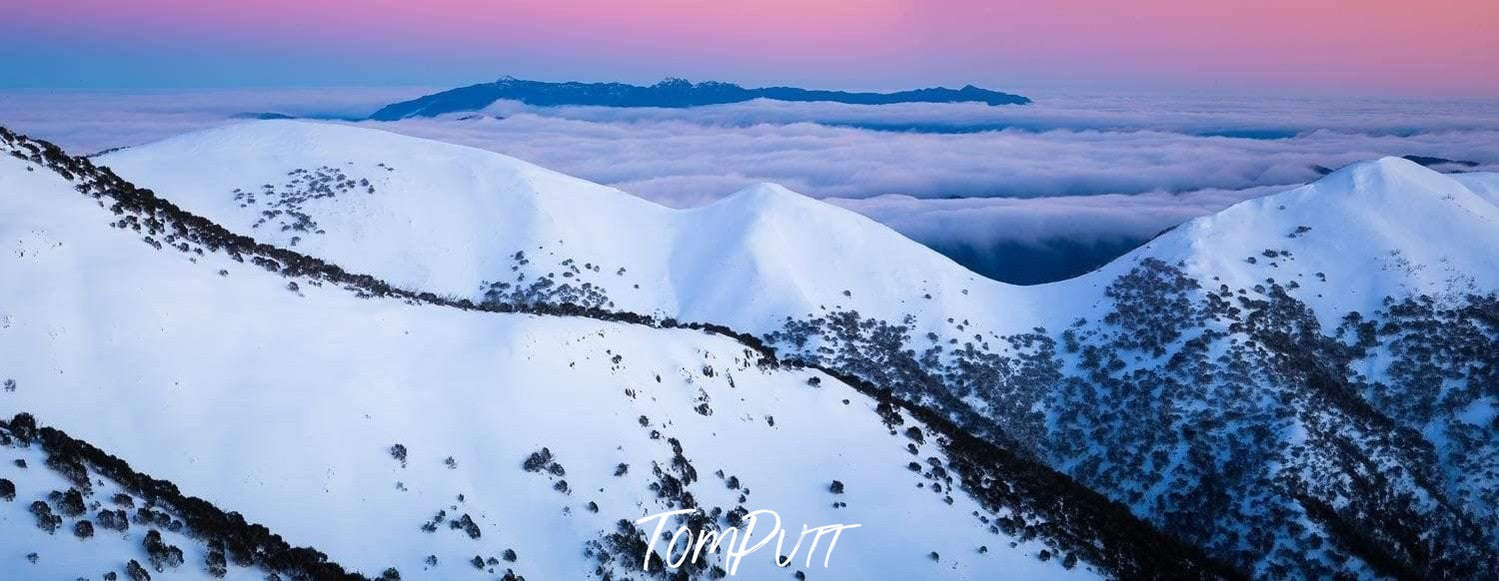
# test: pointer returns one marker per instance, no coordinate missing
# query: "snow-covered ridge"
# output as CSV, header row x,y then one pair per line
x,y
751,260
123,343
1177,380
1369,230
746,261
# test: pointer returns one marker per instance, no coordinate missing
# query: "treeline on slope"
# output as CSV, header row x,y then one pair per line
x,y
1371,482
1178,402
244,543
1059,508
1445,358
1121,543
143,211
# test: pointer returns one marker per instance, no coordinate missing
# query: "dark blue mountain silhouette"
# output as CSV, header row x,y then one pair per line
x,y
674,93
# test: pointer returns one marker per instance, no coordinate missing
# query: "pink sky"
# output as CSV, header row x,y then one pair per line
x,y
1443,47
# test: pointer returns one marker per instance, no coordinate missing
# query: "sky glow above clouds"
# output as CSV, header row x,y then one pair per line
x,y
1442,48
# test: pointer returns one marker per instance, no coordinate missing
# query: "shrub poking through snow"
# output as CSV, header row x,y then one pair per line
x,y
215,561
45,520
162,555
69,503
537,460
136,571
114,520
467,525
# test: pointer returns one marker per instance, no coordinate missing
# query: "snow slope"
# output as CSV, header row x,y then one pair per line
x,y
747,261
1376,229
1386,227
1484,184
63,554
766,253
281,398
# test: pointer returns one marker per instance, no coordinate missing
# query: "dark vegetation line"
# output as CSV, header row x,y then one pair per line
x,y
1076,518
1000,478
245,543
1365,469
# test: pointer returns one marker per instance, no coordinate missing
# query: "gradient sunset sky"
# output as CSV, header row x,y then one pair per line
x,y
1443,48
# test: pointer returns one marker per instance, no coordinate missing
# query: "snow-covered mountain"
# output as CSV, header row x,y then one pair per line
x,y
1388,227
747,261
394,432
1304,384
1213,380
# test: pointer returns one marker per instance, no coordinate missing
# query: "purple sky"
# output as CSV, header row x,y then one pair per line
x,y
1440,48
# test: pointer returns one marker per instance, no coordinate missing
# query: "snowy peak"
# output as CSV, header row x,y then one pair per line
x,y
1386,227
494,226
261,145
1384,181
426,431
490,225
763,195
367,196
770,203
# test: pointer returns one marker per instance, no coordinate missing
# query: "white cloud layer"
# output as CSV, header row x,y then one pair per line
x,y
1068,166
89,121
682,163
983,221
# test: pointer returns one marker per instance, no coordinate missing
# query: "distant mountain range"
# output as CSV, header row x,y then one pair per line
x,y
673,93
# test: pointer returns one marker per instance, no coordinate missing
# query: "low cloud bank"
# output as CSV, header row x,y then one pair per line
x,y
90,121
681,163
1244,116
1106,217
1079,168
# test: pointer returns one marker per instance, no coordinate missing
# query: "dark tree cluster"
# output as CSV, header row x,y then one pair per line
x,y
545,289
45,519
162,555
542,460
69,503
136,571
83,529
466,524
1190,389
113,520
216,560
245,544
285,204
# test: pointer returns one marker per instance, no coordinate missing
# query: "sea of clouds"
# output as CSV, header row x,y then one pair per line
x,y
1073,167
